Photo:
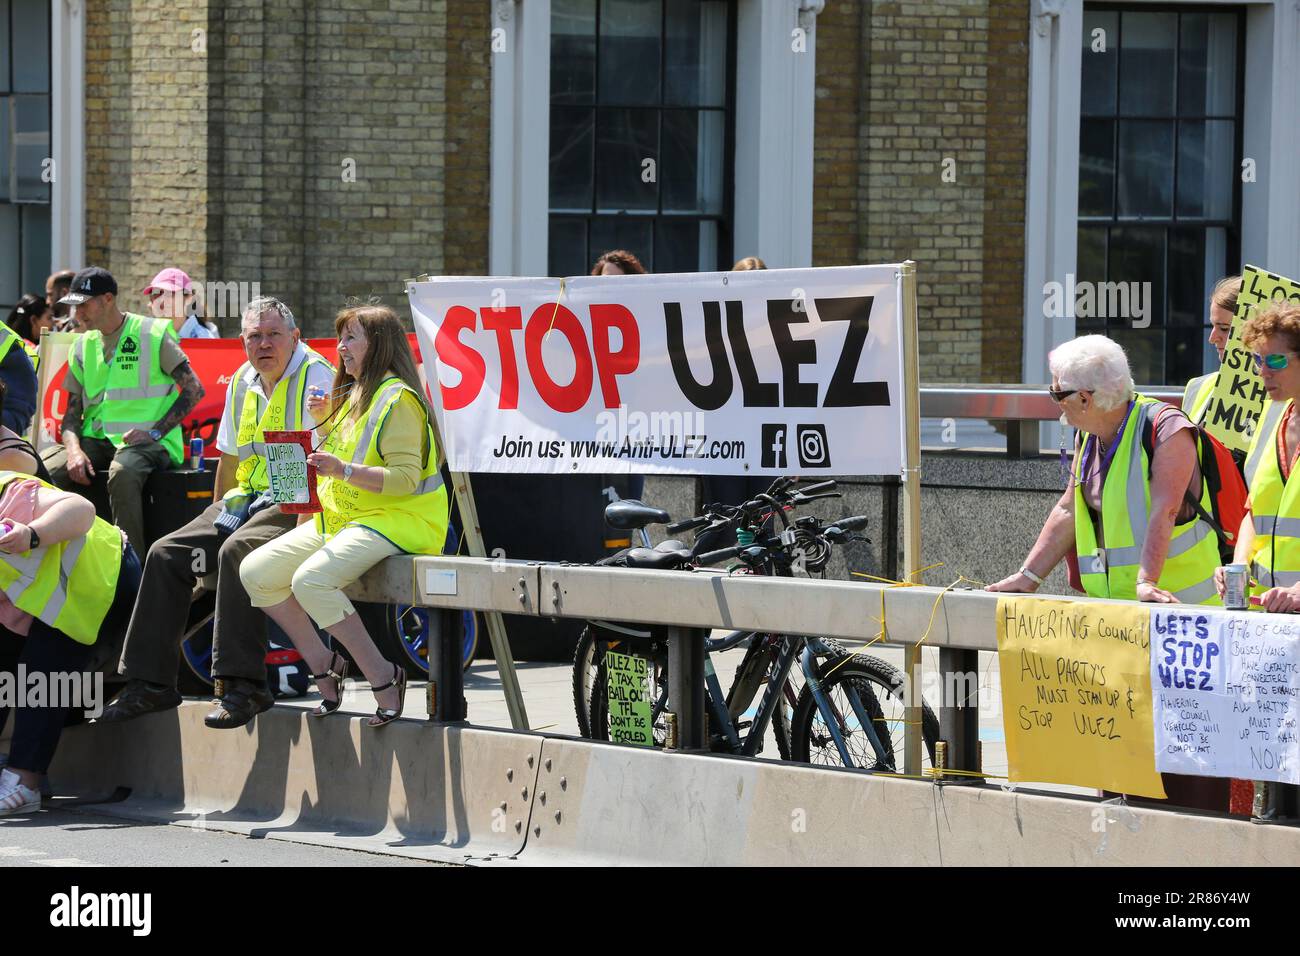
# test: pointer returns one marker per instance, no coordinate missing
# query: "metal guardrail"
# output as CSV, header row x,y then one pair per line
x,y
1020,408
959,623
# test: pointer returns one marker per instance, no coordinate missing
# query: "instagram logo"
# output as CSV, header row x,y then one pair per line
x,y
811,443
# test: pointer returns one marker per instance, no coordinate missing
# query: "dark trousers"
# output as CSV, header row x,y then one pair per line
x,y
50,652
174,565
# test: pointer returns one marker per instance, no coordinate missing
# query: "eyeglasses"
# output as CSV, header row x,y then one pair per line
x,y
1059,396
1275,361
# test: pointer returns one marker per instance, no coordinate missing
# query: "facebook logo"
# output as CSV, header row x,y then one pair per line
x,y
774,446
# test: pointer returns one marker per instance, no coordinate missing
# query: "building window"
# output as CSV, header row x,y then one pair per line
x,y
24,148
1159,175
641,127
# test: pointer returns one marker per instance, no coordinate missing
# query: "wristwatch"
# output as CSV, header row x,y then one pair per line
x,y
155,434
347,472
36,540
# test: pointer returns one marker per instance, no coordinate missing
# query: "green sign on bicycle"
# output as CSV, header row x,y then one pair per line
x,y
629,710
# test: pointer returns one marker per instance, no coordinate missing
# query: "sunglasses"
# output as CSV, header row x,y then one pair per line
x,y
1059,395
1275,361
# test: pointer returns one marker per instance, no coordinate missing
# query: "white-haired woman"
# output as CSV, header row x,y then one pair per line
x,y
1129,512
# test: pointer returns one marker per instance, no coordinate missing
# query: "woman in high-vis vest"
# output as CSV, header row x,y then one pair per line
x,y
67,581
1223,306
381,495
1128,516
1269,538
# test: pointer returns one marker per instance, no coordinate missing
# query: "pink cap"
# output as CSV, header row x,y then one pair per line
x,y
169,280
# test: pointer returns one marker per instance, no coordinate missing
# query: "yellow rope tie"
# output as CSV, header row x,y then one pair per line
x,y
936,772
556,310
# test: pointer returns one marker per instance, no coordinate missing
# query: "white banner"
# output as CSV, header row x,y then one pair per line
x,y
787,371
1226,689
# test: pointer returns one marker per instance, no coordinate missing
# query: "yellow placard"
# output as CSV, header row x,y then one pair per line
x,y
1234,406
1076,694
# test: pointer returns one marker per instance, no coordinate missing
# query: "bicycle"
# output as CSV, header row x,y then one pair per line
x,y
849,708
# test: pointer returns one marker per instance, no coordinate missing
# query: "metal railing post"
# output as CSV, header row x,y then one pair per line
x,y
959,714
686,686
446,673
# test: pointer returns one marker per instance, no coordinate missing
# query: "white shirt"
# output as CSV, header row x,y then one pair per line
x,y
194,329
319,374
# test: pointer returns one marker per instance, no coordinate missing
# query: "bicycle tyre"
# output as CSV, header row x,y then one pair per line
x,y
883,683
584,653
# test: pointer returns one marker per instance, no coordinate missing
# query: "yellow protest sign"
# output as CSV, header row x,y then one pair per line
x,y
1238,396
1076,694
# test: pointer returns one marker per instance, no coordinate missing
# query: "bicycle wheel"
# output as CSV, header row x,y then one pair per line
x,y
878,687
584,675
750,681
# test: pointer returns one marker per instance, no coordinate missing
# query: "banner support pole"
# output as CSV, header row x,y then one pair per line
x,y
912,737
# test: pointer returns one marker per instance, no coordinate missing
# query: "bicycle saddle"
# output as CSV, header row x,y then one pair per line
x,y
630,513
658,560
672,544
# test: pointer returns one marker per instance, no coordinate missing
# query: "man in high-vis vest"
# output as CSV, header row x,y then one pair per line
x,y
129,387
268,393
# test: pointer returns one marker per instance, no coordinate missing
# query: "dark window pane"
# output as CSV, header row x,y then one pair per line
x,y
1206,168
629,52
1146,168
1092,254
620,232
694,75
573,51
5,151
571,172
1187,292
31,123
1137,262
4,46
691,170
1100,56
1096,167
31,41
625,140
1145,350
568,247
1183,355
1147,63
677,246
10,292
36,246
1207,65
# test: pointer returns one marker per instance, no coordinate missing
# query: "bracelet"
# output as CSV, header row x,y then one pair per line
x,y
1031,575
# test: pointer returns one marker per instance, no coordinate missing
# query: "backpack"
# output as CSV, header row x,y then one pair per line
x,y
1221,470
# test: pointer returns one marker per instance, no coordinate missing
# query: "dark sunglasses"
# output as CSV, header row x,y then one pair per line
x,y
1059,396
1275,361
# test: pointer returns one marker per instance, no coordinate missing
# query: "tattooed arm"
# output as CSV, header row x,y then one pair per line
x,y
191,392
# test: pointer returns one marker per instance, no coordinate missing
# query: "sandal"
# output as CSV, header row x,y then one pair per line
x,y
337,672
382,714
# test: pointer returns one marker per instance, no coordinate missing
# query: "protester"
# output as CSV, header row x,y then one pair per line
x,y
617,262
1269,537
29,318
268,393
748,264
123,413
68,579
381,495
57,286
1124,548
171,296
19,376
1223,306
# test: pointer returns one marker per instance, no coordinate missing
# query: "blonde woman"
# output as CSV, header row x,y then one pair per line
x,y
381,495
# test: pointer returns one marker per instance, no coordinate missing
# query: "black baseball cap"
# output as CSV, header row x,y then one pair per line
x,y
89,283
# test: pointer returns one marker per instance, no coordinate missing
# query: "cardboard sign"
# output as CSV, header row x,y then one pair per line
x,y
292,480
1226,686
1076,694
629,710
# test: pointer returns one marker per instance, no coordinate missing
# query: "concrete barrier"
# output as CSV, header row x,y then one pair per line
x,y
415,789
460,794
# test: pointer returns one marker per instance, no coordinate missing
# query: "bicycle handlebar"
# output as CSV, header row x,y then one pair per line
x,y
816,489
851,524
688,524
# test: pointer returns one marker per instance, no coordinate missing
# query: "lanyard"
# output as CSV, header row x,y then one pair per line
x,y
1105,462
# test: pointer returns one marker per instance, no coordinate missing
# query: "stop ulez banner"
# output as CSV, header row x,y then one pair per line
x,y
214,361
1238,397
742,373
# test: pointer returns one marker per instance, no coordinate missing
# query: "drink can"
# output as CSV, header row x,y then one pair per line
x,y
196,454
1236,586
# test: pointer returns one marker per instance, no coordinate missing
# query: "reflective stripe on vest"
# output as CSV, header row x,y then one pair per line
x,y
1274,509
131,391
8,339
1196,396
70,584
283,411
1193,554
1264,437
416,523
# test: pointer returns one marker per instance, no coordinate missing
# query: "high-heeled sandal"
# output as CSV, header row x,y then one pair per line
x,y
382,714
338,672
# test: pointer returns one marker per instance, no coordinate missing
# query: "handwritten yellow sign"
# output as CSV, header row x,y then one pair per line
x,y
1076,694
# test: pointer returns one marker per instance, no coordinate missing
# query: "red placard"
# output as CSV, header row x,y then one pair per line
x,y
289,473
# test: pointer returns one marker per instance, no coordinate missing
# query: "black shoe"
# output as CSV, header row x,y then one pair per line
x,y
137,699
240,701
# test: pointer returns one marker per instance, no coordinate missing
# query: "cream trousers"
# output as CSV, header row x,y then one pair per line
x,y
315,571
